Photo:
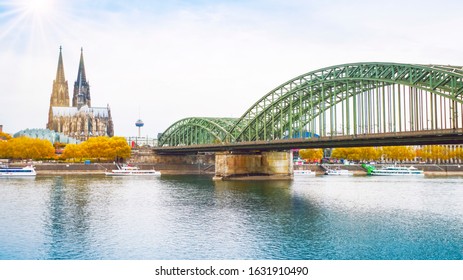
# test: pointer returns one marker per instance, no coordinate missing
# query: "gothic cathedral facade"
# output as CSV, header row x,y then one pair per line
x,y
81,121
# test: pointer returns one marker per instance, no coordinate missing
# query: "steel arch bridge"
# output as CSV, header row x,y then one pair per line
x,y
193,131
343,100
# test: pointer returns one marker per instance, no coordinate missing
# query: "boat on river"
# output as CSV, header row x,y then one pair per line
x,y
13,172
338,172
127,170
397,171
304,173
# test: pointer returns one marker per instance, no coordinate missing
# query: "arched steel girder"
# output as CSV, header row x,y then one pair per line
x,y
191,131
324,88
305,107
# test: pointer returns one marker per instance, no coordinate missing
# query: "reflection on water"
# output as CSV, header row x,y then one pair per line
x,y
69,217
193,217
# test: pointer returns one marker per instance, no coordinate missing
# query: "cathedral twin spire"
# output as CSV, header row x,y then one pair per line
x,y
60,93
81,121
60,71
81,95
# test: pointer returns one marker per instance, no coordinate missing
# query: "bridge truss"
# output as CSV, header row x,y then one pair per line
x,y
193,131
343,100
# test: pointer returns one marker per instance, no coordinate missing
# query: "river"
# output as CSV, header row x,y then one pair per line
x,y
191,217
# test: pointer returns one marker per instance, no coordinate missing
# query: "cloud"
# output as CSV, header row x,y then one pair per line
x,y
166,60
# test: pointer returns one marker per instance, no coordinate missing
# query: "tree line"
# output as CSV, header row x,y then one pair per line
x,y
109,148
432,153
98,148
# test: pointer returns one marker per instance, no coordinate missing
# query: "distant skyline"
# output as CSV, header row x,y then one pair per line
x,y
163,61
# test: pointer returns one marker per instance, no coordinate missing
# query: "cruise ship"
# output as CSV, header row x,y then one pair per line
x,y
338,172
397,171
304,172
7,172
127,170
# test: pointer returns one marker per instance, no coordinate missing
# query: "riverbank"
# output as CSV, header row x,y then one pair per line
x,y
209,169
429,169
101,168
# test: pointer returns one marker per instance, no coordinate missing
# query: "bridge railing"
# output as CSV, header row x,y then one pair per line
x,y
429,137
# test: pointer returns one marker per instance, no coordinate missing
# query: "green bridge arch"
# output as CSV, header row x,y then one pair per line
x,y
194,131
348,99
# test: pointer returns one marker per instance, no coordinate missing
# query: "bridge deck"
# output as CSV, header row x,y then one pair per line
x,y
428,137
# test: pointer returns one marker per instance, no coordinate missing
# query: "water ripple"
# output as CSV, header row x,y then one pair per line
x,y
192,217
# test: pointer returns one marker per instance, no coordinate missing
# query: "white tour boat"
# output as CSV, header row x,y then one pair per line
x,y
127,170
6,172
304,173
338,172
397,171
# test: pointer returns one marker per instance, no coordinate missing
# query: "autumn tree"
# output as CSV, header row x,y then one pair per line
x,y
356,154
26,148
340,153
5,136
458,153
3,149
100,148
72,151
435,153
398,153
311,154
119,147
96,147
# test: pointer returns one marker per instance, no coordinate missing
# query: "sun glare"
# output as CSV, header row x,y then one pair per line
x,y
28,23
38,7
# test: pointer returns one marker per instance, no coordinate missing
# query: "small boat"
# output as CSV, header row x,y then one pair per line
x,y
397,171
338,172
304,173
128,170
13,172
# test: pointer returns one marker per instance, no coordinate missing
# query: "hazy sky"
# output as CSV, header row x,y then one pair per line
x,y
168,60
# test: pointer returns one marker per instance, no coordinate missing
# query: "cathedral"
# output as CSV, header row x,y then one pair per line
x,y
80,121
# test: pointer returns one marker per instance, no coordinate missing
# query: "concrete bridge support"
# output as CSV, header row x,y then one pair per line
x,y
252,166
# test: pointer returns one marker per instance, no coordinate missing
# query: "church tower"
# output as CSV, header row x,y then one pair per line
x,y
81,94
79,121
60,93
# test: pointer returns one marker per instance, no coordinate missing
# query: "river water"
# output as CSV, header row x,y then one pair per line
x,y
192,217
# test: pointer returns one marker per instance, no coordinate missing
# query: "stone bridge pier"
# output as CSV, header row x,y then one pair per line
x,y
274,165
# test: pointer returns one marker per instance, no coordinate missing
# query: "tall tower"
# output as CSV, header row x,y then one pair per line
x,y
81,94
60,93
139,124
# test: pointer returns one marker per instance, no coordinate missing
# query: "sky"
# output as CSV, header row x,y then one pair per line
x,y
163,61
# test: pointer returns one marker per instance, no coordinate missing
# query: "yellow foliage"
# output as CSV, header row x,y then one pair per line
x,y
399,153
437,152
5,136
26,148
311,154
356,154
72,151
120,147
458,153
102,147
